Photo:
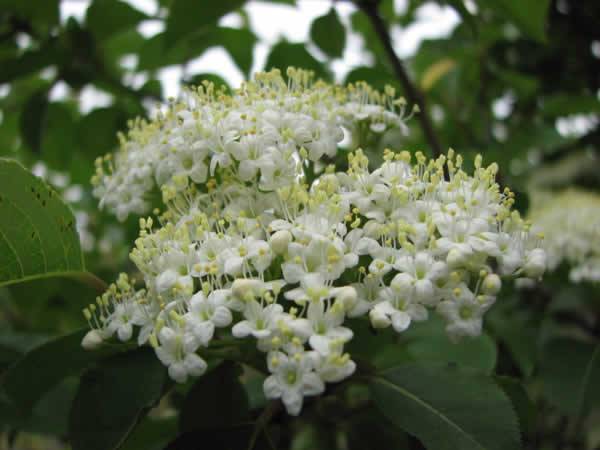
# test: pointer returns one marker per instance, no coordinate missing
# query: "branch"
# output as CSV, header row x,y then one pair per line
x,y
413,94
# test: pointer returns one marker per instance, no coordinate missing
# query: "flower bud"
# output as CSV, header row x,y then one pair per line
x,y
347,296
491,284
242,287
455,258
166,280
424,291
402,283
279,241
379,319
535,264
92,340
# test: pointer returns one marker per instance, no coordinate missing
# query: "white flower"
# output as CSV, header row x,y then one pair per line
x,y
259,322
292,379
322,326
425,271
205,314
464,312
334,366
121,320
176,351
396,310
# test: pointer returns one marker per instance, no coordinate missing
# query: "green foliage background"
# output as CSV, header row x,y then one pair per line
x,y
531,381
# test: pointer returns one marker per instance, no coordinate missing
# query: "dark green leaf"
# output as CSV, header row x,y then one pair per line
x,y
31,122
191,16
253,384
524,407
569,371
43,14
38,238
566,104
97,131
447,408
478,353
152,434
428,342
156,53
239,44
370,429
233,438
106,17
29,62
113,397
13,345
59,135
285,54
378,77
528,15
45,366
217,80
217,400
518,333
329,34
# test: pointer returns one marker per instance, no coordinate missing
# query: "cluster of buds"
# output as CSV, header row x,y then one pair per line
x,y
263,238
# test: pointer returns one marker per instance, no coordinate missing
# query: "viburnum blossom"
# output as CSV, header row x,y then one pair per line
x,y
570,223
267,234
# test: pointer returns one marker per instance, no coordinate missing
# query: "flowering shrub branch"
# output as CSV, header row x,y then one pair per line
x,y
260,239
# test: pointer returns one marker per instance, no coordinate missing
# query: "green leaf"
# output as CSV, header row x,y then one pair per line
x,y
42,368
524,407
217,80
285,54
236,437
97,131
329,34
106,17
369,429
112,398
59,136
478,353
519,333
238,42
38,238
42,13
428,342
528,15
157,53
217,400
49,415
569,372
191,16
31,120
152,434
378,77
13,345
563,104
447,408
29,62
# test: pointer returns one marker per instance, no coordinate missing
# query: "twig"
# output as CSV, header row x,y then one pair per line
x,y
413,94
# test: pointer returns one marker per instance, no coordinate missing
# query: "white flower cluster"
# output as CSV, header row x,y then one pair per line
x,y
570,222
256,134
255,244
